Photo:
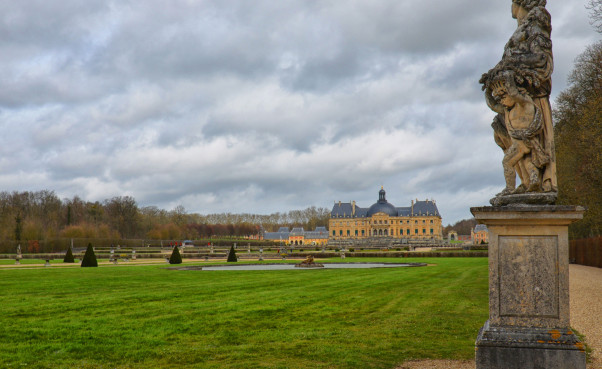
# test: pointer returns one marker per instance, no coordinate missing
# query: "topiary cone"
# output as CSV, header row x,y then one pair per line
x,y
232,255
69,256
175,257
89,257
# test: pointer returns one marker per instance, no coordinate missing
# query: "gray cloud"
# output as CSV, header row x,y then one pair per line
x,y
259,106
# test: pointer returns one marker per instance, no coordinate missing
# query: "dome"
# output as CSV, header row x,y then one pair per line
x,y
382,206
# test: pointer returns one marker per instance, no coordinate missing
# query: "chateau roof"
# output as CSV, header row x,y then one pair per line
x,y
276,235
480,227
297,231
284,233
418,208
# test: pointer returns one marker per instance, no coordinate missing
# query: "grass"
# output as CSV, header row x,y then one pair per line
x,y
151,317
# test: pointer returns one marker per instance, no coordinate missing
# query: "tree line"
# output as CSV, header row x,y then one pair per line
x,y
43,215
578,138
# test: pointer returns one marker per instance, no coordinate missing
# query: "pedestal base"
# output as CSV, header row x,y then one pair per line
x,y
528,289
528,348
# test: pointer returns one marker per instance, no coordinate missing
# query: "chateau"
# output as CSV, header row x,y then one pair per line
x,y
419,221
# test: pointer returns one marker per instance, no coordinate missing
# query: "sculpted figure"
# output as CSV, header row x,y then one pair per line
x,y
518,89
524,124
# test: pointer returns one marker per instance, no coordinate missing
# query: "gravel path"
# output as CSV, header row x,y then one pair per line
x,y
586,316
586,308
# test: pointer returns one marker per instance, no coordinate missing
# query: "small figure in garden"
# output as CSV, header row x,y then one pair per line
x,y
309,263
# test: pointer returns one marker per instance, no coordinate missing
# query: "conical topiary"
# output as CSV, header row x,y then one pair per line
x,y
89,257
69,256
232,255
175,257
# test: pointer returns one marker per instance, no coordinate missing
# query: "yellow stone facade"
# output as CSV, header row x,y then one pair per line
x,y
420,221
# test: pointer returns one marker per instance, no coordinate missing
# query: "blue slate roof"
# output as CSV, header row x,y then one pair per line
x,y
319,233
275,236
343,210
480,227
419,208
297,231
425,208
284,233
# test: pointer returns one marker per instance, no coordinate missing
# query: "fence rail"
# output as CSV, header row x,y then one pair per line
x,y
587,251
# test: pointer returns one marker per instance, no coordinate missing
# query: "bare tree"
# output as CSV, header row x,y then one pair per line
x,y
595,6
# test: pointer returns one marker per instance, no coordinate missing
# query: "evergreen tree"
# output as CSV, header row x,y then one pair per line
x,y
175,257
232,255
89,257
69,256
18,227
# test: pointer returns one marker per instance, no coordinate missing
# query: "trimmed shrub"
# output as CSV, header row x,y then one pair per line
x,y
175,257
89,259
69,256
232,256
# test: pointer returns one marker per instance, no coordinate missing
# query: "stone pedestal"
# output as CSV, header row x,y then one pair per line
x,y
529,317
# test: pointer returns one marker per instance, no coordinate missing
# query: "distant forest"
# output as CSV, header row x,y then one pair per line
x,y
462,227
42,215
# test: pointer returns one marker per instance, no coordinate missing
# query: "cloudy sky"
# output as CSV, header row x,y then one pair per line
x,y
259,106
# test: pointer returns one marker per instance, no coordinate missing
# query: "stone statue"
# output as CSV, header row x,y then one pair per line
x,y
309,263
518,89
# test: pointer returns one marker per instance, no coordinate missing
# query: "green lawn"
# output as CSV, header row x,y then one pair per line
x,y
151,317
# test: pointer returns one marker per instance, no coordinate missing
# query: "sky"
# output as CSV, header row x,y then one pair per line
x,y
260,106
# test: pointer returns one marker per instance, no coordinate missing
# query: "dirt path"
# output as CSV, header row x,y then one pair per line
x,y
586,317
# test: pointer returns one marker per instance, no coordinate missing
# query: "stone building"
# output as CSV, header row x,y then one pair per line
x,y
419,221
298,236
480,234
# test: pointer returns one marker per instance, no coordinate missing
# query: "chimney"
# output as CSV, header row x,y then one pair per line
x,y
412,211
353,207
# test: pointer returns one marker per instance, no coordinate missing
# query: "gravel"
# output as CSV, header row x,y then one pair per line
x,y
585,287
586,308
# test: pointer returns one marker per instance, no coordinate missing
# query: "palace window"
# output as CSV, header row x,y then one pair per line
x,y
423,231
431,221
363,232
416,231
408,231
385,222
348,233
431,231
334,233
341,232
423,221
356,232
